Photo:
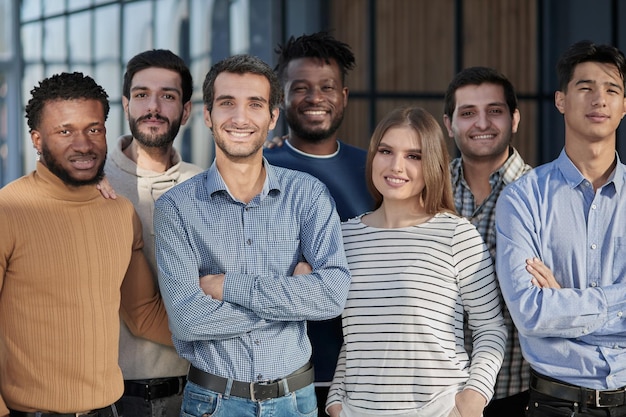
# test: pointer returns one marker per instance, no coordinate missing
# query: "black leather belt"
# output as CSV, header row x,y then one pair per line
x,y
153,389
568,392
108,411
256,391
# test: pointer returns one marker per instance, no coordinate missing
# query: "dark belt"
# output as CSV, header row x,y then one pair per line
x,y
256,391
158,388
568,392
108,411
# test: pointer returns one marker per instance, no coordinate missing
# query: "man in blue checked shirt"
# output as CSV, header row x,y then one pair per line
x,y
267,242
561,234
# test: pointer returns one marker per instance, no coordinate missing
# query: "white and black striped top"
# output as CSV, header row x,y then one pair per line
x,y
403,321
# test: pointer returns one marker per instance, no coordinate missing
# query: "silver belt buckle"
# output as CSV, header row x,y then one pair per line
x,y
598,405
252,384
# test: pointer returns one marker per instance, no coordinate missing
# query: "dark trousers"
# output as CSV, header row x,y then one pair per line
x,y
512,406
321,393
541,405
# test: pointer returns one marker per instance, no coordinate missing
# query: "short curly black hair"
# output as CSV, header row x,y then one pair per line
x,y
63,86
320,45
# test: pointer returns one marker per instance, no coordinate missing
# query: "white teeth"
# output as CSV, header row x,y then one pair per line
x,y
483,136
396,180
315,113
240,134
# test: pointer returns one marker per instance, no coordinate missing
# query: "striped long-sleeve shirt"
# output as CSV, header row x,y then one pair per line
x,y
403,321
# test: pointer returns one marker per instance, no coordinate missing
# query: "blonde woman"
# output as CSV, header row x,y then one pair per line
x,y
417,270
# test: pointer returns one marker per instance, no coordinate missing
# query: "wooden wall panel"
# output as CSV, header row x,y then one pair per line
x,y
415,55
414,45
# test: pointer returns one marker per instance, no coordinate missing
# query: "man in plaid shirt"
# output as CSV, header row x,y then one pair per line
x,y
481,115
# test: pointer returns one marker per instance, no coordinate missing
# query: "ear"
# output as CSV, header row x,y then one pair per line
x,y
515,122
35,137
186,112
274,119
559,101
345,92
207,117
448,124
125,103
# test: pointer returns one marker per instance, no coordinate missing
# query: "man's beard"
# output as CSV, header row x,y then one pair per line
x,y
313,136
151,140
58,170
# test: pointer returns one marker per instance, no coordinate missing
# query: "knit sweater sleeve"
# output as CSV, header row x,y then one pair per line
x,y
141,306
480,295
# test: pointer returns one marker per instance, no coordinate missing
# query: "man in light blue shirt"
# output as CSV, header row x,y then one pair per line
x,y
267,242
561,239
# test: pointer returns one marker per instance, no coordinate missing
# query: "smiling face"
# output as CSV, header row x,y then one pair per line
x,y
155,110
241,116
594,104
482,125
315,98
397,165
71,138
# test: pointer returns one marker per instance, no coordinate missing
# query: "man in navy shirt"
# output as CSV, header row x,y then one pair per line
x,y
312,69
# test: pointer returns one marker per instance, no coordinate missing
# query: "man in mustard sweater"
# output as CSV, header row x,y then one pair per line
x,y
70,263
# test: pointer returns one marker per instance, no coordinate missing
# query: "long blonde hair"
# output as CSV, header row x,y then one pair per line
x,y
437,193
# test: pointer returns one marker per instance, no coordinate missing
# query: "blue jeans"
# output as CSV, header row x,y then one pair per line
x,y
198,401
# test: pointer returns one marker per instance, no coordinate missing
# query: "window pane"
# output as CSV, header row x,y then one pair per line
x,y
168,17
31,45
137,28
55,43
31,9
80,33
107,33
78,4
5,30
53,7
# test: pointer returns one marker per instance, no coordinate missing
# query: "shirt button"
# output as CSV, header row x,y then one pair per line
x,y
619,314
249,242
593,284
257,342
593,207
259,377
593,246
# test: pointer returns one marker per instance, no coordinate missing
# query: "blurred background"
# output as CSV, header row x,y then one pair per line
x,y
406,50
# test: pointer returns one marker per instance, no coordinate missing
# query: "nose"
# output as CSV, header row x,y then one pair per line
x,y
81,142
397,164
153,104
482,121
239,114
599,99
314,95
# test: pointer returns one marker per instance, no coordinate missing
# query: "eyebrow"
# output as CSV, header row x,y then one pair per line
x,y
619,87
251,98
384,145
141,88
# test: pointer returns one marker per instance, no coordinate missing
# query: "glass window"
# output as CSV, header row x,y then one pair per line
x,y
51,8
107,32
31,9
167,23
78,4
137,27
31,49
80,36
6,38
55,42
